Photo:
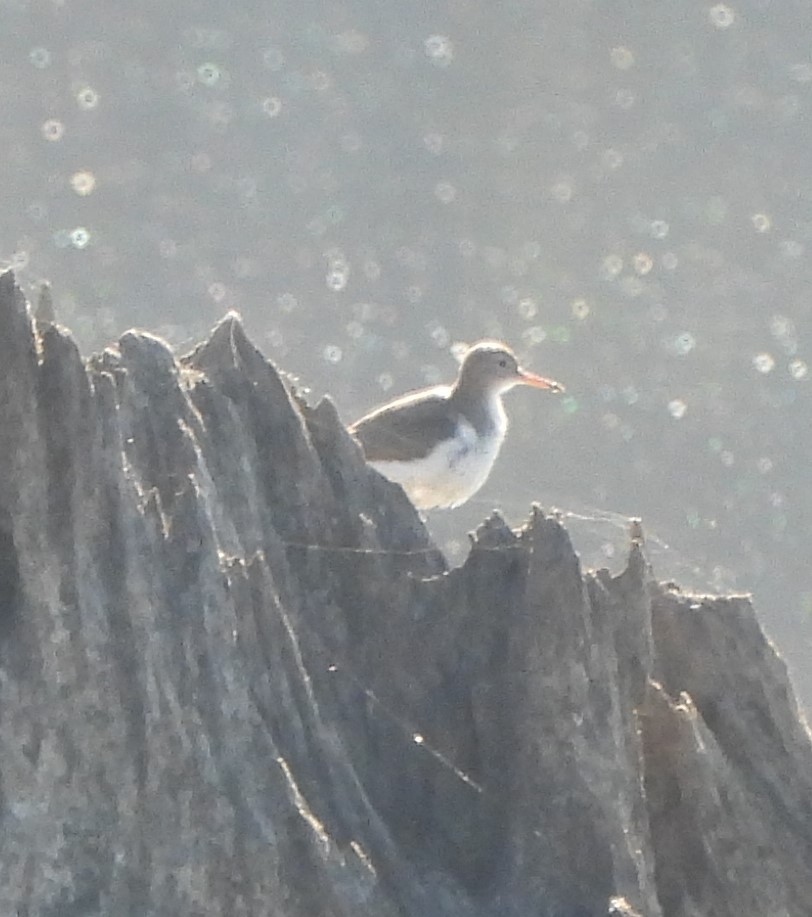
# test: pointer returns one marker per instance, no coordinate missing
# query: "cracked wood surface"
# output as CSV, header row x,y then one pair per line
x,y
237,677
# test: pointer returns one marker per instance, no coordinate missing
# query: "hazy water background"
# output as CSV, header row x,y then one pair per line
x,y
622,190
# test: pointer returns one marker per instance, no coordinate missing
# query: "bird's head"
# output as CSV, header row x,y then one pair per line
x,y
493,366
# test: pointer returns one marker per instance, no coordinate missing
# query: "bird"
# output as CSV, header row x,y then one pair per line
x,y
440,443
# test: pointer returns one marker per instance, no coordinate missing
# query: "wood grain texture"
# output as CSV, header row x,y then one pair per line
x,y
237,678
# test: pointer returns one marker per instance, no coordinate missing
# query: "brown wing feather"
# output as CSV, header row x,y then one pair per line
x,y
405,429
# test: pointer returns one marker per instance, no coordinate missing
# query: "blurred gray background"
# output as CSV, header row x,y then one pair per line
x,y
621,190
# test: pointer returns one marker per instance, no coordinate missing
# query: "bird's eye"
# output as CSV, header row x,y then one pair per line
x,y
503,364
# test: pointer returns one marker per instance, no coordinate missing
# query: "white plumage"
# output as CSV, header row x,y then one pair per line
x,y
455,469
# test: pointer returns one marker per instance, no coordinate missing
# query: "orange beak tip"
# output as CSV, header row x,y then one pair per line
x,y
540,382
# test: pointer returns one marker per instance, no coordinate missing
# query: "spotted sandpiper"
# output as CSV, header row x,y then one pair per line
x,y
440,443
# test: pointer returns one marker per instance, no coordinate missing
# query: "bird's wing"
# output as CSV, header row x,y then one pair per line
x,y
408,428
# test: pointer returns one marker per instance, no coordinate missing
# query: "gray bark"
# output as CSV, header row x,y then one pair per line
x,y
238,679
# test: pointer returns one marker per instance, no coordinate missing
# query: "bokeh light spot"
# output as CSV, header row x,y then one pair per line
x,y
527,308
798,369
320,80
201,162
37,211
764,362
721,15
434,143
534,335
337,280
209,74
509,295
658,312
562,191
87,98
80,237
622,58
612,266
53,130
624,99
272,106
168,248
445,192
439,334
351,42
467,248
83,183
612,159
40,58
761,222
439,49
351,142
792,248
677,408
684,343
184,80
371,269
632,286
218,291
276,339
782,327
801,73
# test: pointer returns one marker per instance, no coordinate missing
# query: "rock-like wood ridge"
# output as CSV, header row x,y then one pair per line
x,y
237,678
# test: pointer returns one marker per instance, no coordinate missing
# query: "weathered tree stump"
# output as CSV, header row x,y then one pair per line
x,y
238,679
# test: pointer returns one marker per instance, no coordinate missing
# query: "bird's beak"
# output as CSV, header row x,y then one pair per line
x,y
528,378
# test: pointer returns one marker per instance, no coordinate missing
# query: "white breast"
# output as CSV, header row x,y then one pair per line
x,y
454,471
